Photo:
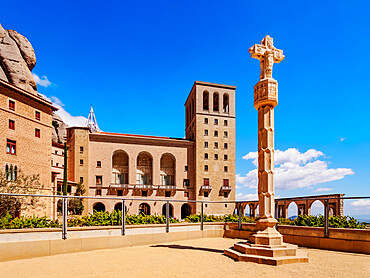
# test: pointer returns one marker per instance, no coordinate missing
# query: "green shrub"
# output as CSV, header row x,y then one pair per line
x,y
10,222
319,221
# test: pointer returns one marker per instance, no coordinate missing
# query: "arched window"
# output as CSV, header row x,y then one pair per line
x,y
168,169
185,211
144,169
170,210
120,167
99,207
144,208
15,173
216,102
225,103
205,100
292,211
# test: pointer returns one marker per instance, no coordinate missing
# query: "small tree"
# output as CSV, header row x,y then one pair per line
x,y
75,205
18,183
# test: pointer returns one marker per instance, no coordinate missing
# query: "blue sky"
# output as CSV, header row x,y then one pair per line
x,y
136,61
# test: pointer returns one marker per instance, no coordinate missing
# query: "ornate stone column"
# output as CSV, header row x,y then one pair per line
x,y
265,243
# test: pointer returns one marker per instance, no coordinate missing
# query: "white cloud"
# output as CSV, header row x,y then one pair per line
x,y
43,81
323,189
361,203
342,139
66,117
246,197
294,169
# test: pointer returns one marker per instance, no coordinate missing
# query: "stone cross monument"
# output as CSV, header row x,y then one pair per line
x,y
265,244
265,99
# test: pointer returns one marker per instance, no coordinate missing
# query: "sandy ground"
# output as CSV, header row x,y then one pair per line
x,y
190,258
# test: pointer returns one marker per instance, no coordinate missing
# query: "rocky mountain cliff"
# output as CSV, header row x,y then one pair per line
x,y
17,59
59,133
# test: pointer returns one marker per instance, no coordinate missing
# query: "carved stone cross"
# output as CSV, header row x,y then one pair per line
x,y
267,54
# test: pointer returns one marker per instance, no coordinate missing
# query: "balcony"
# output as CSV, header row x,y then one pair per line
x,y
118,185
168,187
226,188
206,187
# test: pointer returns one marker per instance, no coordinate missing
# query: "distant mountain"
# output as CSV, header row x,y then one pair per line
x,y
362,218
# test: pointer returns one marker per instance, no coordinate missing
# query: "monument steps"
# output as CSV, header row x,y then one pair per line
x,y
276,261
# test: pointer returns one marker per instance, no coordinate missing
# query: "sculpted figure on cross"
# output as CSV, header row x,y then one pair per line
x,y
268,55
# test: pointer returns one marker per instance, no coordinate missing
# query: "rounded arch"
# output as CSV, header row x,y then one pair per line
x,y
216,102
205,100
170,210
120,163
316,208
144,208
118,206
144,168
292,210
168,169
99,206
225,103
185,210
247,210
257,210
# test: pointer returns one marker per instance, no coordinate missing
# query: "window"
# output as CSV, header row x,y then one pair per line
x,y
167,194
119,192
206,205
81,162
206,194
216,156
186,168
186,182
11,105
11,172
206,132
225,106
206,182
206,156
57,164
225,122
81,149
144,193
81,179
226,182
98,192
11,147
225,134
205,100
206,120
216,122
215,102
216,145
216,133
37,115
225,146
226,169
56,152
99,180
98,164
186,194
225,157
206,144
226,194
37,133
11,124
206,168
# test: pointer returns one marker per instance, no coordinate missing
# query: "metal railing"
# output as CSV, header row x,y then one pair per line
x,y
238,206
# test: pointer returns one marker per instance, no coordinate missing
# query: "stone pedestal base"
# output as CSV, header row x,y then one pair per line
x,y
271,255
266,246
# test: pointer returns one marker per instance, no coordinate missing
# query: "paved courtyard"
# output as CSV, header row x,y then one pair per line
x,y
190,258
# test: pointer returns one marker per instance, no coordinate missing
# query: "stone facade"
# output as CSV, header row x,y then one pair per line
x,y
162,168
26,124
210,122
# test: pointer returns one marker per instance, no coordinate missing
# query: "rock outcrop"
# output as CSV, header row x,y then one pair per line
x,y
59,133
17,59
